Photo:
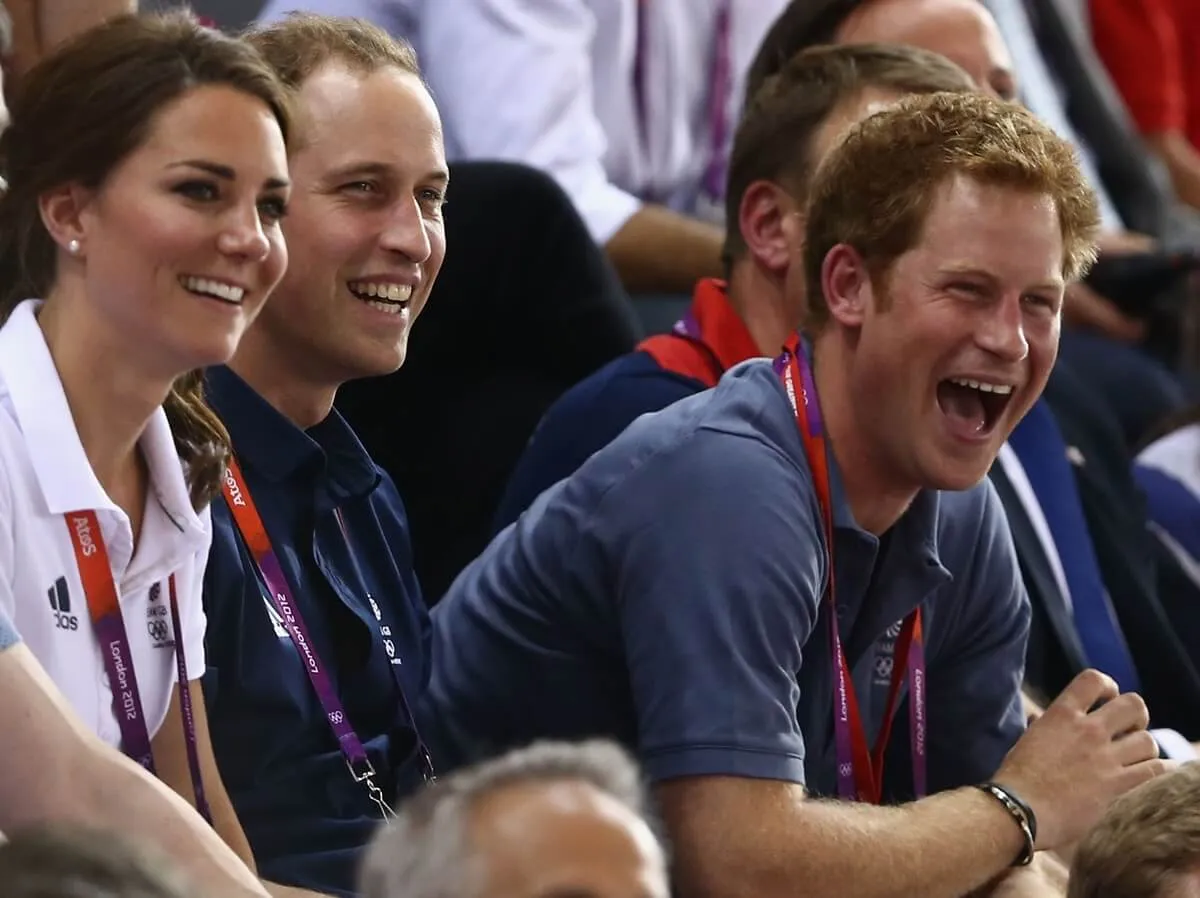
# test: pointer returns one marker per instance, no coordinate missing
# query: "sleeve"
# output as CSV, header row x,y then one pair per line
x,y
195,621
1139,45
1173,508
578,425
720,570
975,713
513,81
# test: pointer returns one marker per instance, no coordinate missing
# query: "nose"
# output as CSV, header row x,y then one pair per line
x,y
1001,332
243,235
405,232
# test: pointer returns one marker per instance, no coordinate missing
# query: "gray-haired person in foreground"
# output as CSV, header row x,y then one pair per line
x,y
547,820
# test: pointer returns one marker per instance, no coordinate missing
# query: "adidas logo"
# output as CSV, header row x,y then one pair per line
x,y
60,604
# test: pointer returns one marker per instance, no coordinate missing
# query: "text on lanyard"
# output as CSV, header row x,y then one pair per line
x,y
250,525
108,621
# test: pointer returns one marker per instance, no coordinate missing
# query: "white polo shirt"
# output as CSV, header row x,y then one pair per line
x,y
45,474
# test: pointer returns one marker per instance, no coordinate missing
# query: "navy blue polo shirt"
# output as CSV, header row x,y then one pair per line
x,y
306,819
670,594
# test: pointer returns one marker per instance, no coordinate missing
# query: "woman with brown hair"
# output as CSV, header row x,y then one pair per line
x,y
139,237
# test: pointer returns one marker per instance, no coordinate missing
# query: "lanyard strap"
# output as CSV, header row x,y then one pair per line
x,y
859,768
250,525
108,621
719,87
389,645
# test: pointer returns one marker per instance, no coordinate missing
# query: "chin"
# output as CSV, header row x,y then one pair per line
x,y
956,474
206,354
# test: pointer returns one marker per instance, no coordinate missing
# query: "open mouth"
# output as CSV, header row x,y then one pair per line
x,y
211,289
973,407
391,299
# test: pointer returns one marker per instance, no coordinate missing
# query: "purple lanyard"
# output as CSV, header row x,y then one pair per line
x,y
108,621
254,532
859,769
720,85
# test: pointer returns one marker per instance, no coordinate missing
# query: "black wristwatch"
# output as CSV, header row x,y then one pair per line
x,y
1022,813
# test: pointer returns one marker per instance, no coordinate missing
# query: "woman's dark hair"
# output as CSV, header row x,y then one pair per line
x,y
75,117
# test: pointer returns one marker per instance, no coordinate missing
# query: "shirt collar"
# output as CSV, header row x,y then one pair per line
x,y
721,328
64,474
267,442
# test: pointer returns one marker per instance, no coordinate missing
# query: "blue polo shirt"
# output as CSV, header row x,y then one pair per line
x,y
306,819
669,594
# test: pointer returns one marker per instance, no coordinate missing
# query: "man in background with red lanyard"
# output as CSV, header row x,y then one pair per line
x,y
678,591
728,322
317,633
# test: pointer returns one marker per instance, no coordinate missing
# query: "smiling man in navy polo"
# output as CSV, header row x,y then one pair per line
x,y
742,586
317,633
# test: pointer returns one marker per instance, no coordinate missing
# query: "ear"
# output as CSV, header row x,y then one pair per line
x,y
63,212
846,284
770,226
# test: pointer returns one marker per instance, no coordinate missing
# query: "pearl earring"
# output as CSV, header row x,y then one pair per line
x,y
73,247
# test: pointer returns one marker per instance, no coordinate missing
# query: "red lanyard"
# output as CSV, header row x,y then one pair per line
x,y
108,621
254,532
860,769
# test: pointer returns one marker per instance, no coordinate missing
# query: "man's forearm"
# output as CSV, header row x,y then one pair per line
x,y
660,251
1183,163
111,787
944,846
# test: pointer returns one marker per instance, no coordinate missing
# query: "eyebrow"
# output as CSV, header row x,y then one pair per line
x,y
968,271
225,172
380,169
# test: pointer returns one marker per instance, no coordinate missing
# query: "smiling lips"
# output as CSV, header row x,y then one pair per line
x,y
384,296
973,406
214,289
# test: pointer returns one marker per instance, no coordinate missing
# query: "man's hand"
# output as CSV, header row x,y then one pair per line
x,y
1084,307
1089,747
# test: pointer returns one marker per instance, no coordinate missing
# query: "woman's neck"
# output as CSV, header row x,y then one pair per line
x,y
110,387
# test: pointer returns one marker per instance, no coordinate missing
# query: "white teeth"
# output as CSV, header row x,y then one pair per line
x,y
392,308
208,287
1002,389
389,292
